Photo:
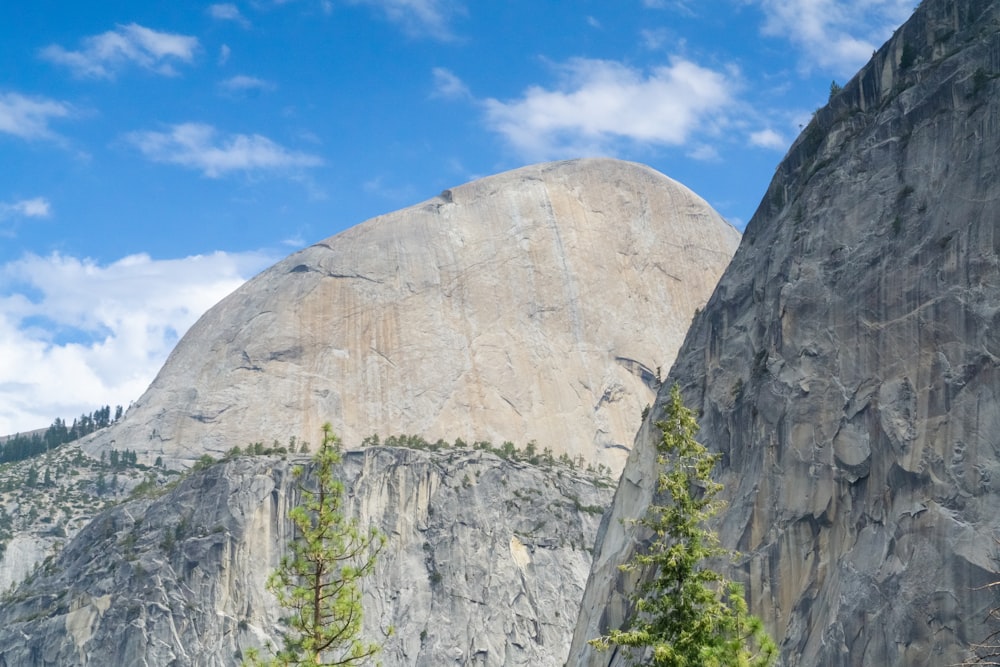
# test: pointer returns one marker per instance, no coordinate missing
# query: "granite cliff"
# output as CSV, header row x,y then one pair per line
x,y
485,564
848,368
516,307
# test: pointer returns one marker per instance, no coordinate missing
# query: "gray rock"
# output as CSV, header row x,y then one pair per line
x,y
513,308
847,368
485,564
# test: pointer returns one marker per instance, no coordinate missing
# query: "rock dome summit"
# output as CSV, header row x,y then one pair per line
x,y
539,305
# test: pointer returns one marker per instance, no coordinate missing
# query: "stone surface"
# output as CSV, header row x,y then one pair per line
x,y
848,367
517,307
485,564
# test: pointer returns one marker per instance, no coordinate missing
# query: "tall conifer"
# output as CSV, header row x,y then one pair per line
x,y
687,615
319,580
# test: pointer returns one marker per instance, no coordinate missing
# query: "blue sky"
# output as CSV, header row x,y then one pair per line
x,y
156,155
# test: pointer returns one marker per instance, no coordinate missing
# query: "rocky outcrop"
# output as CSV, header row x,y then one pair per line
x,y
517,307
485,564
848,368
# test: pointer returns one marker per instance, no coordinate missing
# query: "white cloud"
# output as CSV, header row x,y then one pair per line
x,y
102,56
198,146
449,86
768,138
419,18
680,6
224,53
838,35
655,38
601,103
13,213
76,335
38,207
245,84
228,12
704,153
28,117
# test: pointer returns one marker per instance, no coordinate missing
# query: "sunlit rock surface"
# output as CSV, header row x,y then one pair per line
x,y
537,304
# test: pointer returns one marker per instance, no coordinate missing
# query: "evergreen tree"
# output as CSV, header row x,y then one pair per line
x,y
101,485
687,615
319,581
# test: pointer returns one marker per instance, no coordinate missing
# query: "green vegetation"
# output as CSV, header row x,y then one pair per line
x,y
319,581
19,447
687,615
508,450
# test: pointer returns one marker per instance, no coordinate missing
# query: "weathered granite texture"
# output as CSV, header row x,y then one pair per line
x,y
517,307
485,564
848,367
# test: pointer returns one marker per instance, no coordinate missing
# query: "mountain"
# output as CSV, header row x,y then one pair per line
x,y
516,307
539,305
485,564
848,369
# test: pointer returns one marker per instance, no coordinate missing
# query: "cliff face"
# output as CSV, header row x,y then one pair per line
x,y
485,564
848,368
513,308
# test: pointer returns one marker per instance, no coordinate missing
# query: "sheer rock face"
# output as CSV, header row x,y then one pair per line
x,y
538,304
848,367
485,564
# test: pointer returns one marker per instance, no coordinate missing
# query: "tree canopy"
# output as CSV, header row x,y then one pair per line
x,y
687,614
319,581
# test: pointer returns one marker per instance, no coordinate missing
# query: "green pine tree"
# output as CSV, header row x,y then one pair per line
x,y
687,615
319,580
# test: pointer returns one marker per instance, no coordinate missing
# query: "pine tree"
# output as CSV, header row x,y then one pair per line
x,y
319,581
687,615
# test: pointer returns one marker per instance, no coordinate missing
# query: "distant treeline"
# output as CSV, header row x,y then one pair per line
x,y
508,450
20,447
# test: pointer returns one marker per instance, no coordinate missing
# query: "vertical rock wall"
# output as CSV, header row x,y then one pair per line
x,y
848,367
485,564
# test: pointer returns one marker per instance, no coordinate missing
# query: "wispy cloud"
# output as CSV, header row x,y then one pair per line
x,y
103,56
228,12
654,39
38,207
28,117
200,146
449,86
838,35
75,334
399,193
768,138
600,103
704,153
680,6
12,214
419,18
241,84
